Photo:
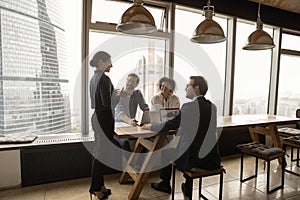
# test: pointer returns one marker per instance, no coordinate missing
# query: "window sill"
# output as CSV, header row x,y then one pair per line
x,y
52,139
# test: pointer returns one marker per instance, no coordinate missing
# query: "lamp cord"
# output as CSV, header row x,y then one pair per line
x,y
258,11
208,3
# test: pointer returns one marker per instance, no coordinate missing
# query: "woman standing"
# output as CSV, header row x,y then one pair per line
x,y
103,100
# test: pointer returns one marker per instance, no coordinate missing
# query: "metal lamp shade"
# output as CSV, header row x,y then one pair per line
x,y
208,32
137,20
259,40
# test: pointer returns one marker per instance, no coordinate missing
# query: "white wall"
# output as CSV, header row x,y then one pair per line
x,y
10,168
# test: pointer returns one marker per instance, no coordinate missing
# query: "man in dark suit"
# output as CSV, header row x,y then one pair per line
x,y
197,147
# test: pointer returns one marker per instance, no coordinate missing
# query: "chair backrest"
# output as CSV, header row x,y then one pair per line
x,y
298,113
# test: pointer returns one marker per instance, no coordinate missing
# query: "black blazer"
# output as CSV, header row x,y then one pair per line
x,y
103,100
197,123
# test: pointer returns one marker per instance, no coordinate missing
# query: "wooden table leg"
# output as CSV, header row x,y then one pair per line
x,y
141,177
276,140
132,160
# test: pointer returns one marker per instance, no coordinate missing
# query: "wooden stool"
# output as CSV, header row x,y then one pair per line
x,y
200,173
293,142
261,151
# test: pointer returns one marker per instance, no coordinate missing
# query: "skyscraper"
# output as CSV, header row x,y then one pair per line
x,y
34,94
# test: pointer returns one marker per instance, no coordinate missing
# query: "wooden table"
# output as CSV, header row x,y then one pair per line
x,y
257,124
140,177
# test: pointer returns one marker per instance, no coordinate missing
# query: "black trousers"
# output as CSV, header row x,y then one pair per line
x,y
103,127
166,173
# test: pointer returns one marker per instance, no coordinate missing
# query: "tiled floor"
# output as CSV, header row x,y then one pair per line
x,y
232,188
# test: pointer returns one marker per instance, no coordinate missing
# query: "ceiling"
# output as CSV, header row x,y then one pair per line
x,y
289,5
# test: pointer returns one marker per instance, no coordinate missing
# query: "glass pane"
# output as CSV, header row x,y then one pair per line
x,y
200,59
35,86
252,75
289,91
112,11
73,24
143,56
291,42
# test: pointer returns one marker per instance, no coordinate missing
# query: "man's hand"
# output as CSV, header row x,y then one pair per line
x,y
147,126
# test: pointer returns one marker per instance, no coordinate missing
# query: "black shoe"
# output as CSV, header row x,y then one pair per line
x,y
107,192
162,186
185,190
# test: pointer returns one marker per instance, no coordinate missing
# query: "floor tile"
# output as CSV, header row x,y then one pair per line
x,y
233,189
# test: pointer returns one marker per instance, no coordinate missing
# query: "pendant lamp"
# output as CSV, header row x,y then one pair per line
x,y
137,20
208,31
259,39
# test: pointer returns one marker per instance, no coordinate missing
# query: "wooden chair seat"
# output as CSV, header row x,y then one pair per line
x,y
200,173
292,141
287,132
260,150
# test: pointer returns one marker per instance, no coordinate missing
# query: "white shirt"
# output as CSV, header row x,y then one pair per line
x,y
158,101
197,97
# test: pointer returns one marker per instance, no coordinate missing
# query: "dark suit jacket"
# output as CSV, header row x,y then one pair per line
x,y
103,100
197,123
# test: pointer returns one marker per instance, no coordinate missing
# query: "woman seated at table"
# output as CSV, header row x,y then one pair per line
x,y
165,97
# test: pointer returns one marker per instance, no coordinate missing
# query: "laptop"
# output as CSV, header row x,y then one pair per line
x,y
160,116
167,114
150,117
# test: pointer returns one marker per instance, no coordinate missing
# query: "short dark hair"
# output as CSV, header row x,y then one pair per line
x,y
161,80
167,80
135,76
100,55
201,82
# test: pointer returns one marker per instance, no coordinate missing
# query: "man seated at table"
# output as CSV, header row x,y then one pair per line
x,y
126,109
197,123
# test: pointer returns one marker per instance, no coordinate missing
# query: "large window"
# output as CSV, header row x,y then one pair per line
x,y
251,76
288,90
207,60
35,77
44,86
146,55
143,56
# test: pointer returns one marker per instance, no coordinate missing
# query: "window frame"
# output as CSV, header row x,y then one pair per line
x,y
106,27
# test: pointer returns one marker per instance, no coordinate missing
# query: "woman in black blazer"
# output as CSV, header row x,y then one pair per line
x,y
103,100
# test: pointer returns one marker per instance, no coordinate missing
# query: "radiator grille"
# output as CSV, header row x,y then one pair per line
x,y
46,164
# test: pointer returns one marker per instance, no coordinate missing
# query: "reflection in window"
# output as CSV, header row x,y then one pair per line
x,y
252,75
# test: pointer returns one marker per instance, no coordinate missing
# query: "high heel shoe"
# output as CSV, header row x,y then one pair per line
x,y
99,195
106,191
